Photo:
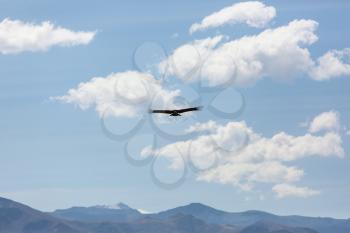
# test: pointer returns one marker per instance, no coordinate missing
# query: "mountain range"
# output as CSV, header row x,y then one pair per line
x,y
193,218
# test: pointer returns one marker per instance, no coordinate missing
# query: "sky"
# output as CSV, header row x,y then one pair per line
x,y
273,77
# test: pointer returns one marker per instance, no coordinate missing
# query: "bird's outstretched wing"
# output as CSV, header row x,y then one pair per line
x,y
189,109
175,110
161,111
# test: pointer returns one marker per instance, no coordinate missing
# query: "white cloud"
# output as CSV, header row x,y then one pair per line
x,y
120,94
235,154
332,64
288,190
244,175
279,53
17,36
208,126
187,59
328,121
253,13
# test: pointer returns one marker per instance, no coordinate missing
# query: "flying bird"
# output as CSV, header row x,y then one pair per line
x,y
176,112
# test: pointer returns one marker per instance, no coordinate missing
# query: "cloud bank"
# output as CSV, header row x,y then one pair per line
x,y
235,154
17,36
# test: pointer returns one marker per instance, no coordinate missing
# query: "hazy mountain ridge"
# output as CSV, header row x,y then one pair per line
x,y
216,216
116,213
192,218
211,215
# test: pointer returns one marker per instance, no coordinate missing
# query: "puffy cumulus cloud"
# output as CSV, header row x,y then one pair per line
x,y
332,64
328,121
202,149
17,36
120,94
279,53
288,190
253,13
186,60
235,154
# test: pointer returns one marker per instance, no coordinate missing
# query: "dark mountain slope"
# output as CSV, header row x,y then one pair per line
x,y
266,227
175,224
18,218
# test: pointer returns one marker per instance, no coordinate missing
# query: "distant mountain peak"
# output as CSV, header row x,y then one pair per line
x,y
201,207
195,209
198,205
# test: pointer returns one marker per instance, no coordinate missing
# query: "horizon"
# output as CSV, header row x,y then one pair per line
x,y
273,79
145,212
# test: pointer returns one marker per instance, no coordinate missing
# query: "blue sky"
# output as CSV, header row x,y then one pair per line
x,y
55,155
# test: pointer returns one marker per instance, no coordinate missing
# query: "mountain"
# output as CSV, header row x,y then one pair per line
x,y
211,215
113,213
18,218
192,218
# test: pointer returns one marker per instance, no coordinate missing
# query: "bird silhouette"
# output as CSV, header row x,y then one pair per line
x,y
175,112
